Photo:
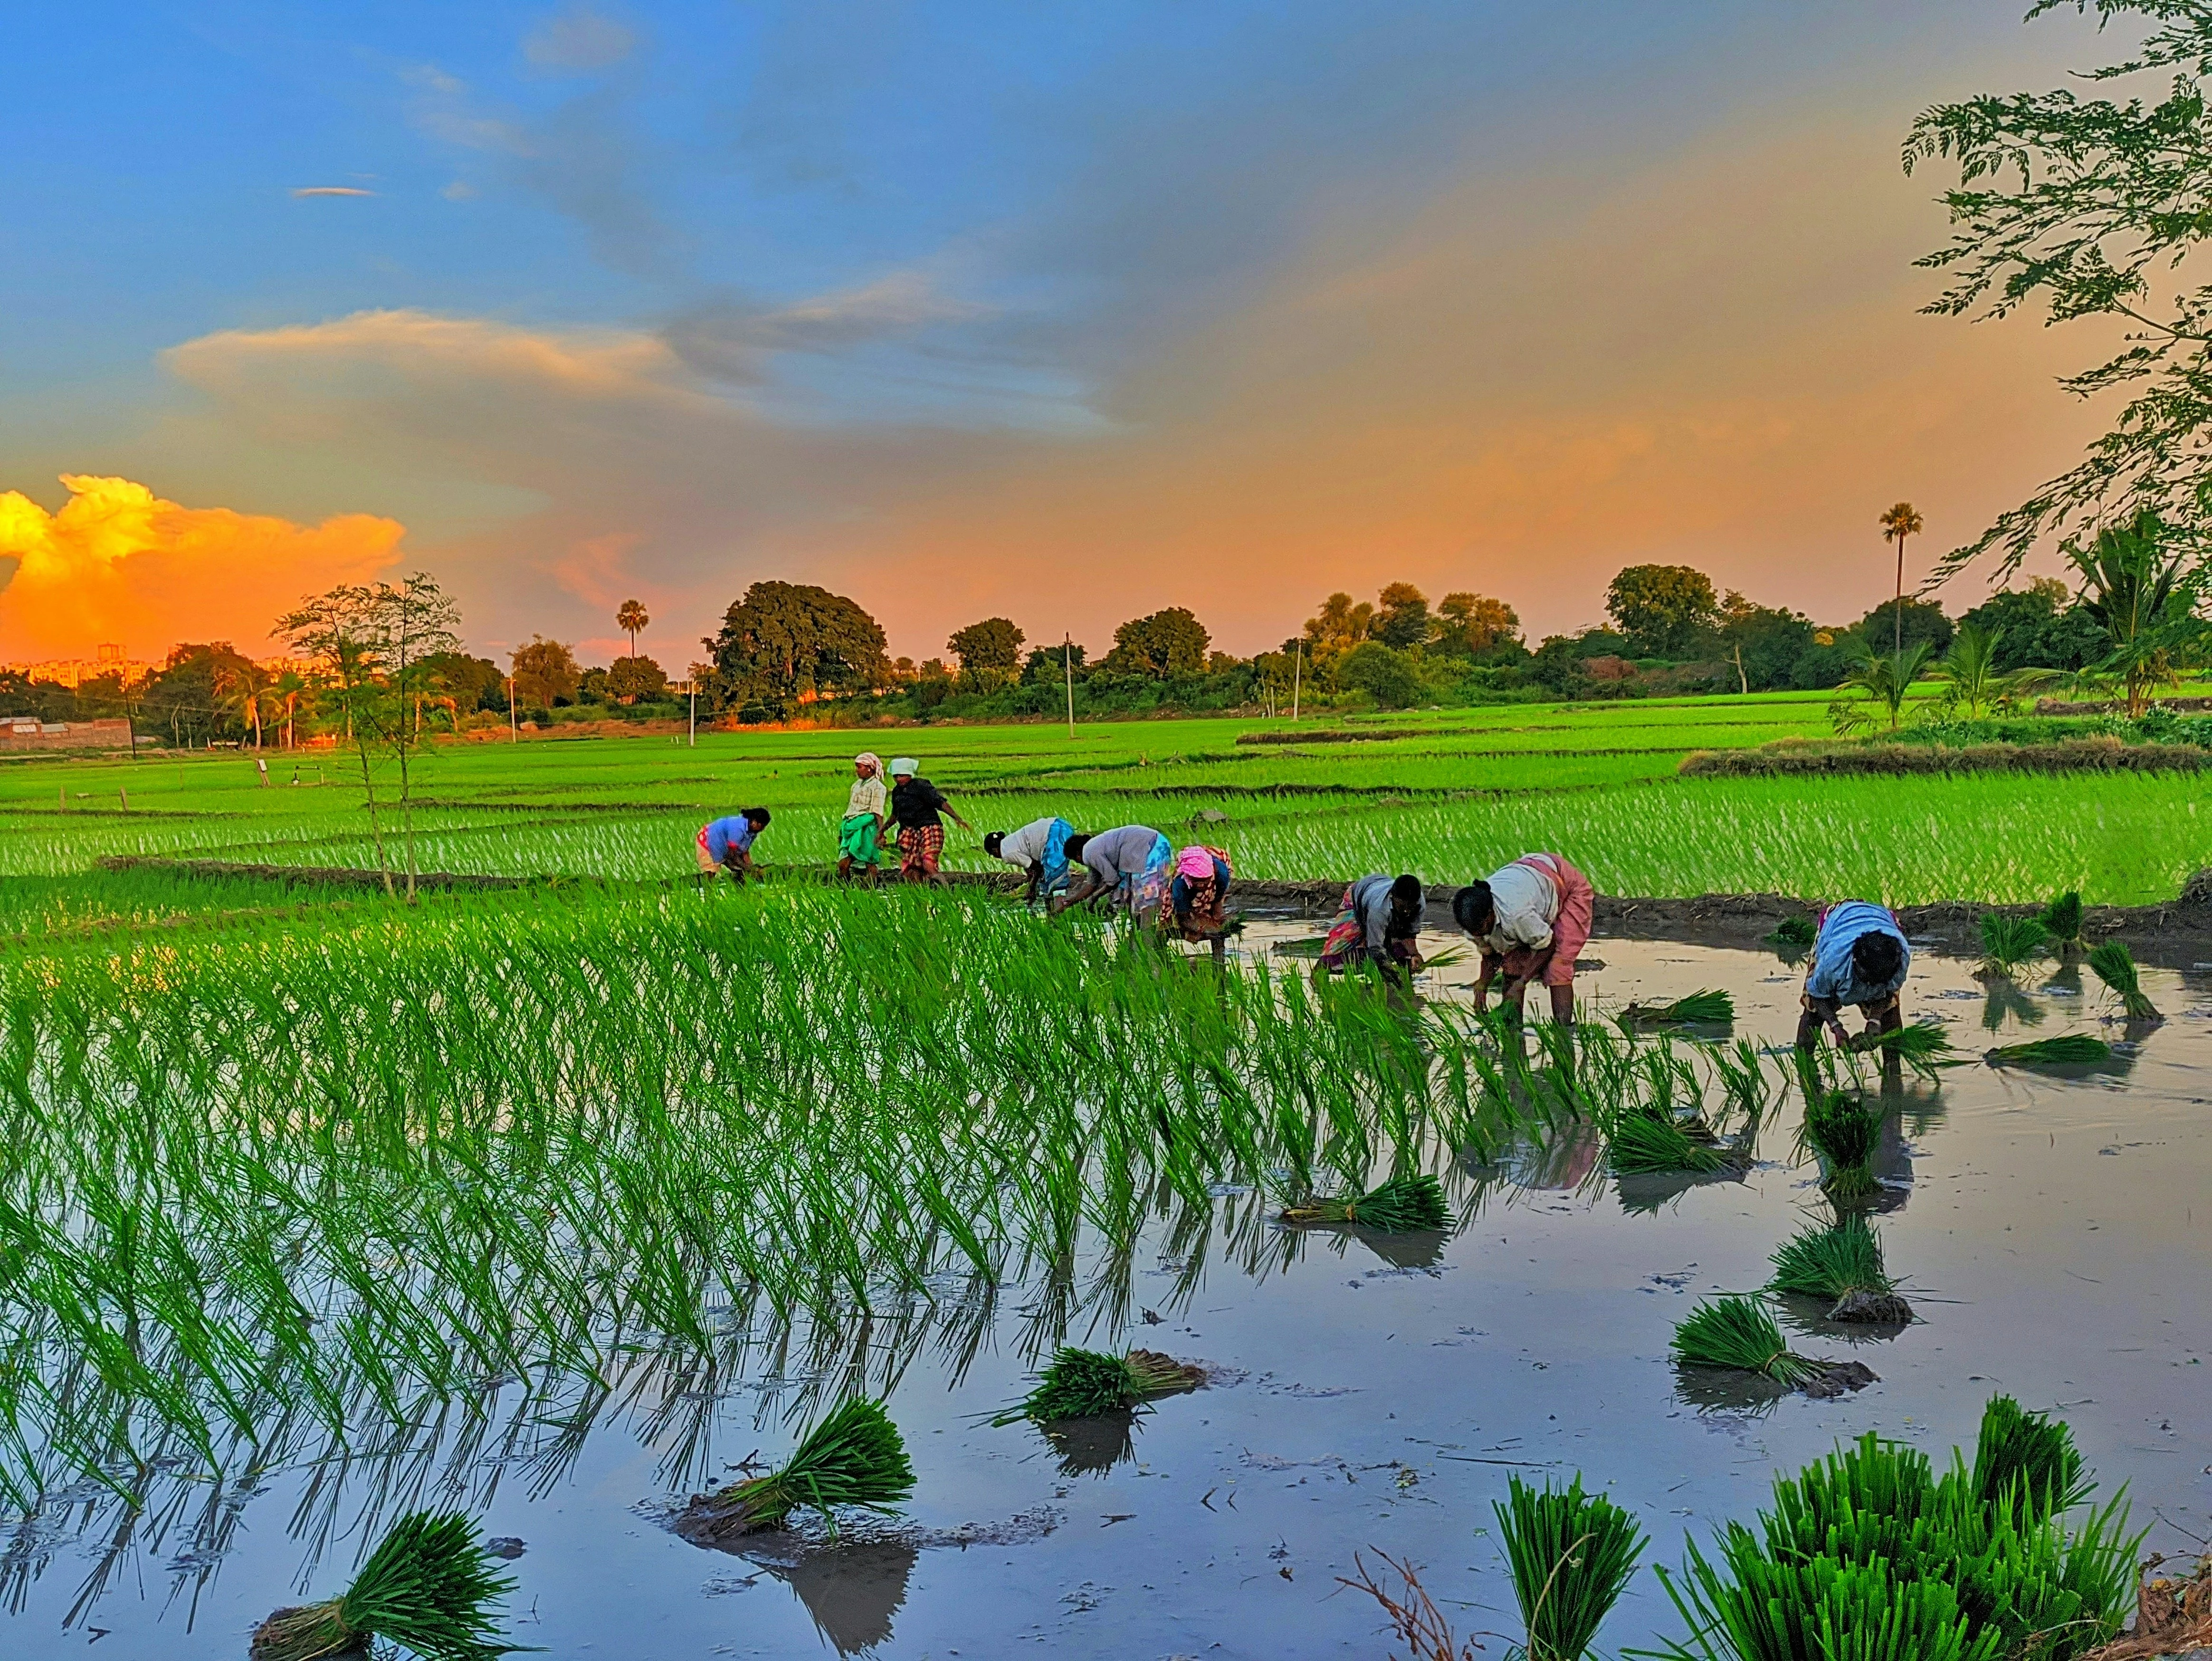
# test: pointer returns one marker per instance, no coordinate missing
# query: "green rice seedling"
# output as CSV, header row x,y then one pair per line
x,y
1085,1384
2061,921
1845,1132
2114,965
1736,1334
1923,1046
2030,1454
1794,933
1572,1554
428,1585
2009,942
2067,1049
1400,1206
1698,1009
1637,1144
853,1457
1832,1262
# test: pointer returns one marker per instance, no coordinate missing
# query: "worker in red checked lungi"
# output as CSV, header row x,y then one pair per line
x,y
916,807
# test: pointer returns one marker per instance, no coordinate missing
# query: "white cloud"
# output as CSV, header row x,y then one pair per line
x,y
577,41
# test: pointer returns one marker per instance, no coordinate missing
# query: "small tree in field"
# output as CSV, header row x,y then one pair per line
x,y
632,620
371,641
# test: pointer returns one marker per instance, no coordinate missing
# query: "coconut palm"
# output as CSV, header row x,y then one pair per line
x,y
632,620
1883,680
2134,593
1899,522
243,685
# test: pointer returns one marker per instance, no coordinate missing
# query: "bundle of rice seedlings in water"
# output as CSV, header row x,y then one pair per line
x,y
1572,1554
1699,1009
1639,1145
1845,1133
2009,942
2067,1049
1921,1047
1087,1384
428,1585
1400,1205
853,1457
2031,1454
2115,965
1738,1334
1794,932
1844,1266
2061,921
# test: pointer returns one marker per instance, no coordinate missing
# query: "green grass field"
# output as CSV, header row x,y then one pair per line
x,y
1450,795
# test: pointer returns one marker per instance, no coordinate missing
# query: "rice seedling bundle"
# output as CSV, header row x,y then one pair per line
x,y
2029,1454
855,1457
1845,1132
2009,942
1736,1334
1571,1554
1920,1046
1697,1009
1084,1384
1796,934
1400,1206
1830,1262
2114,965
1637,1144
428,1585
2061,921
2067,1049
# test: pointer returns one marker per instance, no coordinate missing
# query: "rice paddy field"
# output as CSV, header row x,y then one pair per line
x,y
557,1207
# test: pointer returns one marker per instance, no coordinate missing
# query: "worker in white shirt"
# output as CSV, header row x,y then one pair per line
x,y
1531,921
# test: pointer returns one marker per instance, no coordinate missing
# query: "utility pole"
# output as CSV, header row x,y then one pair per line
x,y
1298,677
513,723
1067,663
693,684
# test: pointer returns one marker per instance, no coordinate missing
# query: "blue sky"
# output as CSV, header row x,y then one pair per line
x,y
956,307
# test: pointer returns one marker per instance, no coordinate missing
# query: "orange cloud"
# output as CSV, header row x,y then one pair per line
x,y
118,563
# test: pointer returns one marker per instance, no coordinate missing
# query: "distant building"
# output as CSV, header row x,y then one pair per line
x,y
29,733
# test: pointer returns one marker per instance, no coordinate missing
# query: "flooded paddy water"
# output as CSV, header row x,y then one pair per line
x,y
2051,1231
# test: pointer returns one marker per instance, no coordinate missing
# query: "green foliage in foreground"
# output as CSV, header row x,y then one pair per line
x,y
855,1457
1868,1553
428,1585
1572,1554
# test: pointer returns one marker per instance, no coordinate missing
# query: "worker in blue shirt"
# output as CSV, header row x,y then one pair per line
x,y
1859,957
726,844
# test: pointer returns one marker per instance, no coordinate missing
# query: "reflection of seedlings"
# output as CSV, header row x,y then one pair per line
x,y
853,1457
1093,1446
1793,934
1082,1384
1572,1554
1844,1266
2115,965
1699,1009
428,1585
2007,1002
1844,1133
2009,942
1421,1248
1736,1335
1400,1205
2030,1455
2067,1049
2061,921
852,1592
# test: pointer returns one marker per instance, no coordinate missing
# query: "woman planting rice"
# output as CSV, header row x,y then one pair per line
x,y
860,832
1197,897
1040,848
916,805
1531,921
1379,923
1128,865
1859,957
726,844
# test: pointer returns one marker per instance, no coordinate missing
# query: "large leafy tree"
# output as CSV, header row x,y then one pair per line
x,y
1164,644
1469,624
2082,205
1666,611
546,672
1402,621
786,639
990,651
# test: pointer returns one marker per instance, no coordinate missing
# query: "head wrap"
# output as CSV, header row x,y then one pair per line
x,y
1196,861
906,765
874,761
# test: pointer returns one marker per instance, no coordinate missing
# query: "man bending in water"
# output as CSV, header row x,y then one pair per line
x,y
1859,957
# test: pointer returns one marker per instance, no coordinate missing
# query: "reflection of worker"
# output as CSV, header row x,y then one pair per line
x,y
1859,957
726,844
1531,921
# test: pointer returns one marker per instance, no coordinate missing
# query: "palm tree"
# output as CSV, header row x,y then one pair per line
x,y
632,619
242,686
1899,522
1969,670
1883,681
2131,589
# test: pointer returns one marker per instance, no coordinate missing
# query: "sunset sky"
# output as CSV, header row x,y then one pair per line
x,y
1062,312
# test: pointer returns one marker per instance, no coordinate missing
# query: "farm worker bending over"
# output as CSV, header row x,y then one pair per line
x,y
860,832
1040,848
916,805
726,844
1379,923
1859,957
1127,864
1531,921
1197,897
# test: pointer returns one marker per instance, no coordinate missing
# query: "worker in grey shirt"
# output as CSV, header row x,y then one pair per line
x,y
1129,864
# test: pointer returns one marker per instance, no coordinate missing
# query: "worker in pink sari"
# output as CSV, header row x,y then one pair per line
x,y
1531,921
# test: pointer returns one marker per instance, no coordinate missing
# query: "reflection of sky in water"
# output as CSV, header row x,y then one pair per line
x,y
2053,1238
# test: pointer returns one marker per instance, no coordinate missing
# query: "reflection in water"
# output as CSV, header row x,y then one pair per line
x,y
1726,1389
1644,1194
1092,1447
1810,1315
2003,1001
852,1591
1422,1248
